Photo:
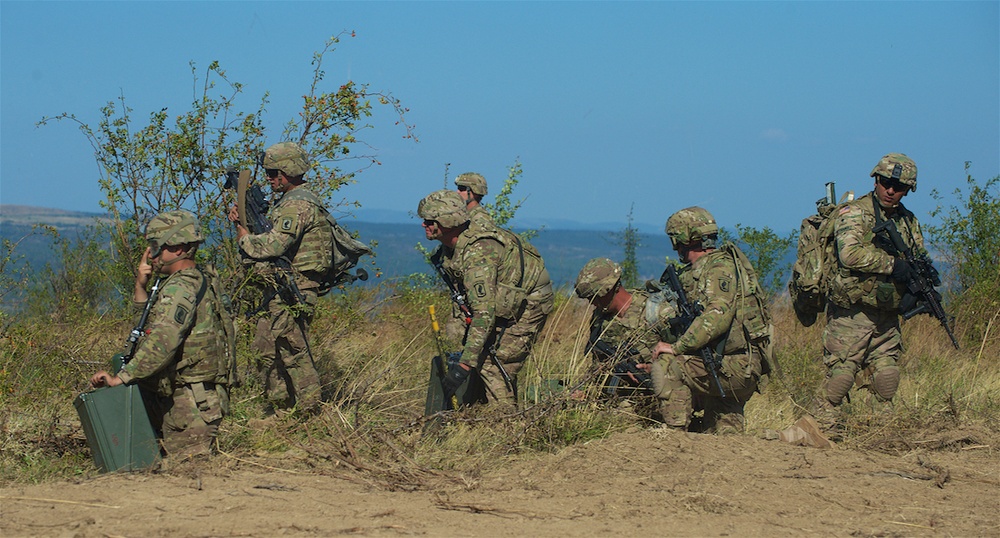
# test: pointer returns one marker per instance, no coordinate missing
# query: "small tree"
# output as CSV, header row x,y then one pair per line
x,y
969,236
968,241
180,162
503,209
628,238
767,252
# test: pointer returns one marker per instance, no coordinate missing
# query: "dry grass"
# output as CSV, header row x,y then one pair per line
x,y
373,347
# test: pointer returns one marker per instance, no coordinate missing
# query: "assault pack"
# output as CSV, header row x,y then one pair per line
x,y
346,252
816,258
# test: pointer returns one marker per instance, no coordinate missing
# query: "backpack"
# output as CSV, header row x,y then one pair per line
x,y
346,252
816,258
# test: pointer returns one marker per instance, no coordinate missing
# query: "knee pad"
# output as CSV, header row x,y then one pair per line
x,y
885,381
666,377
838,384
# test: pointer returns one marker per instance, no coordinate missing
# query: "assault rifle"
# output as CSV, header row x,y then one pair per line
x,y
689,311
252,207
923,281
625,369
121,359
140,328
458,298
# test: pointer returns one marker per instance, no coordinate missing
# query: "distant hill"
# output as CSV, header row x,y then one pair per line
x,y
34,245
26,215
564,251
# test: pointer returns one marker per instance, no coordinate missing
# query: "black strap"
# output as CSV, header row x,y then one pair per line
x,y
520,252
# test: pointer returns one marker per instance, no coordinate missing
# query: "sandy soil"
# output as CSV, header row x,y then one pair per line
x,y
640,482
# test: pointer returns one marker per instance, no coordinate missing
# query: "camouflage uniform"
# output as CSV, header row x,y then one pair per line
x,y
481,218
186,360
303,235
633,333
640,328
486,264
735,322
477,184
862,330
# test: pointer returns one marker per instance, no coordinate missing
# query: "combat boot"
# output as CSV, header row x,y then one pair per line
x,y
828,418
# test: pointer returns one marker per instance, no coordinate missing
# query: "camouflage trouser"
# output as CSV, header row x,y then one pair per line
x,y
678,380
856,339
285,362
515,345
189,419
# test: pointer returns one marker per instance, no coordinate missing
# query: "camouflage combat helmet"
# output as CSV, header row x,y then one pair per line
x,y
690,225
897,166
597,278
288,157
475,182
177,227
445,207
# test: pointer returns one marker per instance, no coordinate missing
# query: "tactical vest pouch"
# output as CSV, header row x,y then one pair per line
x,y
737,366
755,326
207,399
510,301
512,298
886,296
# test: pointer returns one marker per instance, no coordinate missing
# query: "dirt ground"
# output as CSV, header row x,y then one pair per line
x,y
640,482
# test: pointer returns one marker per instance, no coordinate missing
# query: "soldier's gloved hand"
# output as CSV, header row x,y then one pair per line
x,y
907,303
457,375
902,271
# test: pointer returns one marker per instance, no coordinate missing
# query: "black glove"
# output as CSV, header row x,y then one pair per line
x,y
907,303
902,271
457,375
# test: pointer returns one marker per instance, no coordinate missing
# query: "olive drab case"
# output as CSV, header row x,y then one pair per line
x,y
118,430
471,392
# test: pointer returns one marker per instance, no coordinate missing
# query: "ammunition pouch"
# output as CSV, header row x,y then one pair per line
x,y
510,300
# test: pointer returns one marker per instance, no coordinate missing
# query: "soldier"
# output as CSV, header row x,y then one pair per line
x,y
862,329
472,187
187,359
626,324
505,282
304,237
734,324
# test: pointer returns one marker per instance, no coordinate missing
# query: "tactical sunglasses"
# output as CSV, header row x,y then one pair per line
x,y
463,188
893,184
272,172
155,249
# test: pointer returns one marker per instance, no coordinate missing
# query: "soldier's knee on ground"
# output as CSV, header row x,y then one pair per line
x,y
729,423
885,380
724,415
676,410
838,383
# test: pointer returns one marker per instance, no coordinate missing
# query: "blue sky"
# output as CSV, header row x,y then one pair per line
x,y
744,108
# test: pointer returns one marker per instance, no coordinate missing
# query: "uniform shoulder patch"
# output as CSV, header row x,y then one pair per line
x,y
724,284
286,224
180,314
